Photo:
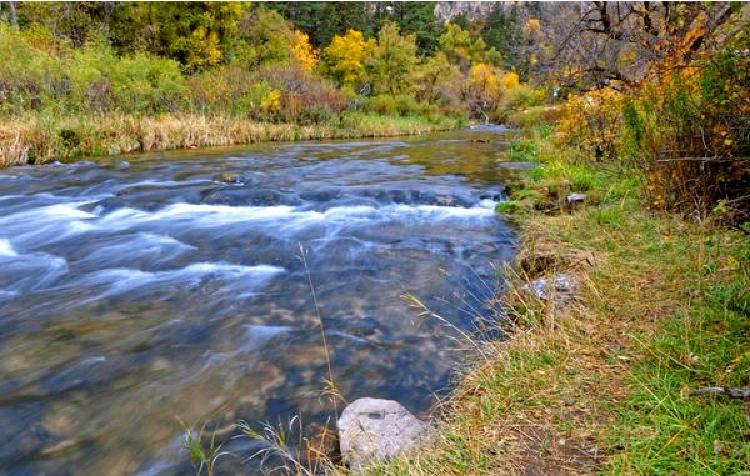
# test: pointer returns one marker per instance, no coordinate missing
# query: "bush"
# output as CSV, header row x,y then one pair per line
x,y
691,126
407,106
90,79
382,104
28,76
523,96
593,122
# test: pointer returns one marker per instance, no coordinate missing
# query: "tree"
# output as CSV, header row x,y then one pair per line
x,y
346,57
460,47
484,89
600,42
303,52
264,37
323,20
12,14
75,22
500,32
197,34
461,21
418,18
438,81
394,60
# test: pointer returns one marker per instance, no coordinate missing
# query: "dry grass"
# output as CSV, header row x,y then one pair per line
x,y
40,139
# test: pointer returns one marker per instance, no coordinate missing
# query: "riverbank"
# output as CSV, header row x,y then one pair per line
x,y
41,139
603,383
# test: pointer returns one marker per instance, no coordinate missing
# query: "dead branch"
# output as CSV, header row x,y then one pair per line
x,y
733,392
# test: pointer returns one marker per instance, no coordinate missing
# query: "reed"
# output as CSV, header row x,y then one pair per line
x,y
42,138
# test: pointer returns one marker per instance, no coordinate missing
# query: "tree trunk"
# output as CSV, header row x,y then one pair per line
x,y
13,15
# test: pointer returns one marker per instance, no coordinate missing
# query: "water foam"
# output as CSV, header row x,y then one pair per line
x,y
121,280
6,248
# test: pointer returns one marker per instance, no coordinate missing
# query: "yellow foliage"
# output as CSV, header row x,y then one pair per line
x,y
271,102
511,80
346,56
40,38
593,121
532,27
303,51
484,78
205,50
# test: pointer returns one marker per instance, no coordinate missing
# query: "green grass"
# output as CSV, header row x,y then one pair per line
x,y
510,207
664,430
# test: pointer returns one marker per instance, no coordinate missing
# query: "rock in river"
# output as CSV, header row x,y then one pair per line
x,y
371,429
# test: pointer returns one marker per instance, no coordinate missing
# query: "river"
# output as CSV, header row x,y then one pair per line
x,y
143,291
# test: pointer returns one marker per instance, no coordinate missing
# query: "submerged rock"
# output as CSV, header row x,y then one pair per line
x,y
371,429
228,177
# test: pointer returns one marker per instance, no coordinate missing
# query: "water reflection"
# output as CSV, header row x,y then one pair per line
x,y
139,290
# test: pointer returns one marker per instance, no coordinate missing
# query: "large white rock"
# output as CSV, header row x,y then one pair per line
x,y
374,430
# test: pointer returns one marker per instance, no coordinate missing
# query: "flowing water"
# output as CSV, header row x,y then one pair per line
x,y
139,292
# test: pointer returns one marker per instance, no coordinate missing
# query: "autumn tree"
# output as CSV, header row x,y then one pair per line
x,y
346,57
596,43
437,81
264,37
460,48
394,59
484,89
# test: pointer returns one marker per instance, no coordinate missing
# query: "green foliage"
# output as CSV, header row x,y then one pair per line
x,y
500,32
523,150
403,105
323,20
70,22
394,59
418,18
197,34
460,48
247,61
439,82
91,78
202,454
511,207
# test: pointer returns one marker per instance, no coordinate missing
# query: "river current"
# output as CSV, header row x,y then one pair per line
x,y
141,293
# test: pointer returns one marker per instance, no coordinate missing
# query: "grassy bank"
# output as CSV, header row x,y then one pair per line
x,y
39,139
602,384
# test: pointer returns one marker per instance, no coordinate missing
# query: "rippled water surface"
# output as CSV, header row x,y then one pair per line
x,y
139,292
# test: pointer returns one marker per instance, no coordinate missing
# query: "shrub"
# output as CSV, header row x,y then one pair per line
x,y
383,104
29,76
90,79
691,125
407,106
593,122
510,207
